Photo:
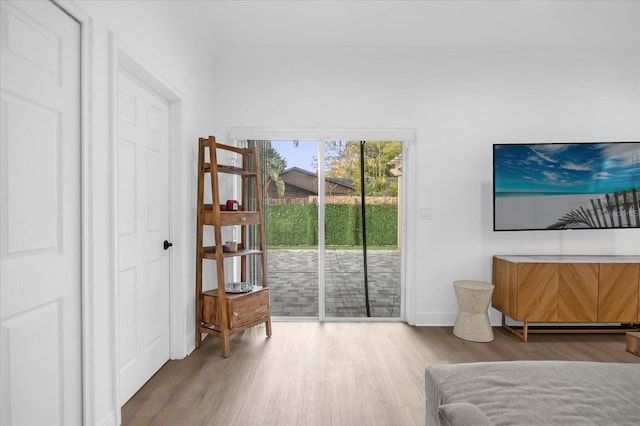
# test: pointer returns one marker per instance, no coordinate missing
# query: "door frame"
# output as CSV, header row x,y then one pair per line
x,y
86,211
121,57
408,291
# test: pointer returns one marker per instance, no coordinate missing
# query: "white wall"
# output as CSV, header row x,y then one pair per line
x,y
163,37
460,102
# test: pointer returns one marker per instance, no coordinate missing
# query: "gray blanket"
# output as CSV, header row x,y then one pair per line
x,y
533,393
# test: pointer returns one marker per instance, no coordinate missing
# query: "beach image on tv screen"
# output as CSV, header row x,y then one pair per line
x,y
566,186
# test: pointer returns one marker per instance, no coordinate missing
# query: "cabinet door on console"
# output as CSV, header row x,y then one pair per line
x,y
578,292
538,285
618,296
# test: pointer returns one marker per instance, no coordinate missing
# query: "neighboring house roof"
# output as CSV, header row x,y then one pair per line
x,y
308,181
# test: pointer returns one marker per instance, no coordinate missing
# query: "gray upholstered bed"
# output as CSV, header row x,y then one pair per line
x,y
533,393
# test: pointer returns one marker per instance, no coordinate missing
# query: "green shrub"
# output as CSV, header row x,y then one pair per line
x,y
297,225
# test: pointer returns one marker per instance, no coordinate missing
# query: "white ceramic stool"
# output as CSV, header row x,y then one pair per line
x,y
472,322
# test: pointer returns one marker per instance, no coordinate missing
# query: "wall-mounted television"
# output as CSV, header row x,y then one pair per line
x,y
546,186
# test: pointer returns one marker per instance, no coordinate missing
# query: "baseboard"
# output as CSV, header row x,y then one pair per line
x,y
435,319
108,420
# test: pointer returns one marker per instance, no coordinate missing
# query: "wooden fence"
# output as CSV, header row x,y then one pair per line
x,y
313,199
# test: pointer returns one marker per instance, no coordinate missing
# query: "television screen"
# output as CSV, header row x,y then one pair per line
x,y
566,186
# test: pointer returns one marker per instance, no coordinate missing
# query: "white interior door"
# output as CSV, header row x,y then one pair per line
x,y
143,226
40,239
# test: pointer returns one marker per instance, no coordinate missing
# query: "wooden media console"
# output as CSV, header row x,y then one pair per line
x,y
567,290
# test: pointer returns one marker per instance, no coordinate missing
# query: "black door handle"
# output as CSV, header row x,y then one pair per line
x,y
166,244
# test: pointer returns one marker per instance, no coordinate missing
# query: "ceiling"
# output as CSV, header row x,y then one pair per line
x,y
360,23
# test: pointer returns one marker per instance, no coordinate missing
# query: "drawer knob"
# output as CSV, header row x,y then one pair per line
x,y
235,314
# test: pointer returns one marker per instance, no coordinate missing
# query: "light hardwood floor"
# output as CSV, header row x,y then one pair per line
x,y
311,373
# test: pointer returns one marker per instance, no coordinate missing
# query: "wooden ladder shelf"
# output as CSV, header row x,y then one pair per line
x,y
224,311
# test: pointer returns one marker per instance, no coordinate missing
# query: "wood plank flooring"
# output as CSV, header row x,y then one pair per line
x,y
311,373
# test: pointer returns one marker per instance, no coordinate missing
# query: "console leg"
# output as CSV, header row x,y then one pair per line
x,y
521,334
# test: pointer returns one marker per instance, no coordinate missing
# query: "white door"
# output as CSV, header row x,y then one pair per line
x,y
143,226
40,222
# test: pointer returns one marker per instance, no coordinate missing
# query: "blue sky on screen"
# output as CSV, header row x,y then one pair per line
x,y
586,168
300,156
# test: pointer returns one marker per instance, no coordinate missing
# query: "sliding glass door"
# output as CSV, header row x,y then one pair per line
x,y
290,182
361,222
332,232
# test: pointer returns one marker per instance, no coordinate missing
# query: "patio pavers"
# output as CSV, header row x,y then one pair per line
x,y
293,283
